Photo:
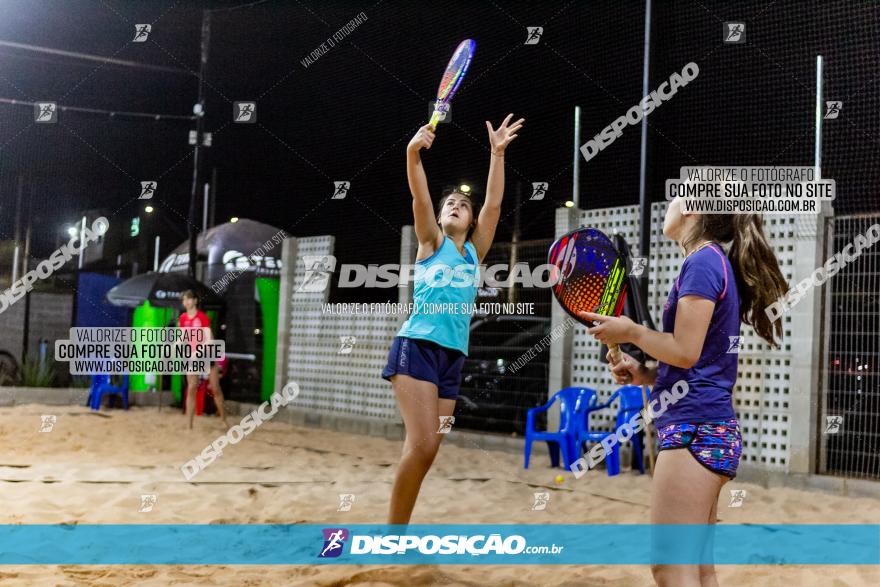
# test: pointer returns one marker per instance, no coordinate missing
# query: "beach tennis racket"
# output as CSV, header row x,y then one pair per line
x,y
590,276
452,77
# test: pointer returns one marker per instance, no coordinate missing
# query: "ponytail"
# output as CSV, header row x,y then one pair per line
x,y
759,280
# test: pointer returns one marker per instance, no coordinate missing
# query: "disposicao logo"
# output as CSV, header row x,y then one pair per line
x,y
334,540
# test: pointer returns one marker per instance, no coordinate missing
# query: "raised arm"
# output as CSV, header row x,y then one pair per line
x,y
427,231
484,232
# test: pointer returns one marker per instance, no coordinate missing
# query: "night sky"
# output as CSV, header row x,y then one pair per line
x,y
349,115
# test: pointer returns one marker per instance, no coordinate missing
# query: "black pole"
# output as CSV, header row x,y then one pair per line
x,y
212,202
644,204
26,327
74,306
18,209
514,240
15,261
200,118
516,213
26,330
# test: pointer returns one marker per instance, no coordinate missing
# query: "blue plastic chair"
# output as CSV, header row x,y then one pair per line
x,y
564,439
630,404
101,386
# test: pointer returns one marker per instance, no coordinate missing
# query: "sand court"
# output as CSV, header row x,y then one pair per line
x,y
94,468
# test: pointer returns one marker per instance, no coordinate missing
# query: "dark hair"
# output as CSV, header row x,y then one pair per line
x,y
759,280
190,294
475,206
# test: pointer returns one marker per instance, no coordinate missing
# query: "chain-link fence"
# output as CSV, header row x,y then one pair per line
x,y
850,377
495,395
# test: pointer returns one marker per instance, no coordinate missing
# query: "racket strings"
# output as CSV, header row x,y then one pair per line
x,y
592,277
455,70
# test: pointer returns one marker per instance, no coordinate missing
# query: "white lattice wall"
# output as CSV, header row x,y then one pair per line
x,y
761,397
330,382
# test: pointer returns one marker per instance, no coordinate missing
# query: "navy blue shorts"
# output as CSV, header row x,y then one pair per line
x,y
426,361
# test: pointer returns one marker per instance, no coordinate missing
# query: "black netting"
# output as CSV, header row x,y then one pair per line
x,y
754,103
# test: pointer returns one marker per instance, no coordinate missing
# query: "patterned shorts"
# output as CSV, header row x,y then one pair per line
x,y
716,445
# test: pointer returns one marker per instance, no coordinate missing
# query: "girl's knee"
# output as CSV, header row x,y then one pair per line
x,y
423,453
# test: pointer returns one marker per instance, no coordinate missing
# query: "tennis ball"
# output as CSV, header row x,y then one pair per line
x,y
560,479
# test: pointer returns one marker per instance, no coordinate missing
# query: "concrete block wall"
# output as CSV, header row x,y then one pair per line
x,y
50,318
342,387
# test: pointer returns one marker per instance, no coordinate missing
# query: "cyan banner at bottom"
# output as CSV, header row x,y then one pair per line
x,y
308,544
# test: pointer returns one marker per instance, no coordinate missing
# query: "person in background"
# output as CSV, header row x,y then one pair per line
x,y
192,317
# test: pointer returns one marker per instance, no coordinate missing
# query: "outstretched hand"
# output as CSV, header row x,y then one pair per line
x,y
502,136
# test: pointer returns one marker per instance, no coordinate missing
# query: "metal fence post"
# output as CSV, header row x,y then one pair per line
x,y
561,348
285,298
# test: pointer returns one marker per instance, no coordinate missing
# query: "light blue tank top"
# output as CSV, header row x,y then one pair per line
x,y
444,291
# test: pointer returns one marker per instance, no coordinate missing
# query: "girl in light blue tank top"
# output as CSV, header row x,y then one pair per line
x,y
444,291
427,355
